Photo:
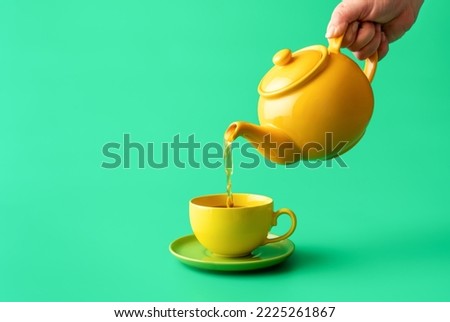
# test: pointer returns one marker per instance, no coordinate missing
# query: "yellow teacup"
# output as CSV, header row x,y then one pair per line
x,y
236,231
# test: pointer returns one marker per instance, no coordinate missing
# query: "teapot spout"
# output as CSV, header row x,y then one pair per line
x,y
273,143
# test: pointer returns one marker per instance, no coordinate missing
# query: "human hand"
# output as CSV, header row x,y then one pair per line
x,y
370,25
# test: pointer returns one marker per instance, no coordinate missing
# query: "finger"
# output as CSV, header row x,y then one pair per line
x,y
396,28
372,46
350,34
384,46
393,32
344,14
366,32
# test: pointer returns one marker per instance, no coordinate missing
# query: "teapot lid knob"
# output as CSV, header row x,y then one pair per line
x,y
282,57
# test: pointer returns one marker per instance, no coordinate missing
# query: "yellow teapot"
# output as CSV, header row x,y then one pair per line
x,y
311,101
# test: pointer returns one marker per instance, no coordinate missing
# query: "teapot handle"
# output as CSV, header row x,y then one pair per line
x,y
371,62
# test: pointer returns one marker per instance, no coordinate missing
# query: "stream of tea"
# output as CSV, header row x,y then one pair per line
x,y
228,162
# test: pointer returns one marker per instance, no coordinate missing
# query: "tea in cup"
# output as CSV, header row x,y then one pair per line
x,y
235,231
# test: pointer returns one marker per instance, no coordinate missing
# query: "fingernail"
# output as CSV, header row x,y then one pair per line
x,y
331,31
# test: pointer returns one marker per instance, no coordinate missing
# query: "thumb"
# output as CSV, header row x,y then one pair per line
x,y
344,14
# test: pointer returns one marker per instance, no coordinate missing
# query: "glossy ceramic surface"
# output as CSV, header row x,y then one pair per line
x,y
310,101
189,251
234,232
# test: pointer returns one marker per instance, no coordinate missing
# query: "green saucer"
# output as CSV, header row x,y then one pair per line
x,y
190,252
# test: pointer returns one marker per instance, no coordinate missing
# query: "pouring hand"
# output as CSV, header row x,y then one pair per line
x,y
370,25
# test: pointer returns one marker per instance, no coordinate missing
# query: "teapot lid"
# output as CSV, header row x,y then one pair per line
x,y
292,69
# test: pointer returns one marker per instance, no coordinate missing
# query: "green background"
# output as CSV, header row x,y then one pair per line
x,y
75,75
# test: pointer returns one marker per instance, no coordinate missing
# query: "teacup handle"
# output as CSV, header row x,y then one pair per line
x,y
334,46
275,215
